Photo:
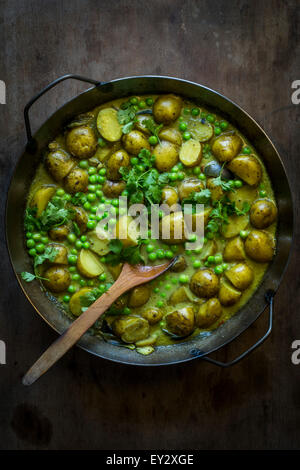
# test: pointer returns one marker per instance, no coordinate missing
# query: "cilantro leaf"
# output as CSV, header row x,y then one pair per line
x,y
121,254
199,197
153,127
89,298
127,117
49,254
207,153
30,219
28,277
55,214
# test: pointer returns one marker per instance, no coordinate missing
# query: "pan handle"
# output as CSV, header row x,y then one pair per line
x,y
44,90
269,296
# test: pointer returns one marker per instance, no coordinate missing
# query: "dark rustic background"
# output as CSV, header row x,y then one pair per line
x,y
249,51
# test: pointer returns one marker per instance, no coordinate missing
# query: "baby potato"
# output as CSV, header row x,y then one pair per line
x,y
179,265
115,162
58,278
88,264
191,153
140,123
59,163
41,198
75,301
152,315
166,155
208,313
131,328
108,124
235,224
263,213
189,186
226,147
169,196
204,283
181,322
139,296
179,296
216,190
81,218
246,167
76,181
135,141
61,256
113,189
59,233
240,275
260,246
171,135
81,142
167,108
127,231
228,295
99,243
121,302
209,249
172,228
234,250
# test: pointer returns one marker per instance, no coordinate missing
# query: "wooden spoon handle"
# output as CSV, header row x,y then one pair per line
x,y
74,332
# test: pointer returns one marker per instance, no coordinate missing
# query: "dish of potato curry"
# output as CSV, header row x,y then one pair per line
x,y
156,151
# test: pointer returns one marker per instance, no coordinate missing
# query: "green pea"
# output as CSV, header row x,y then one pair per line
x,y
86,245
102,171
150,248
193,238
168,286
186,135
91,197
93,179
163,295
72,259
101,179
72,237
210,118
195,112
78,245
28,234
160,253
83,238
211,260
75,277
246,150
224,266
153,140
217,130
36,236
149,101
101,142
134,100
84,164
197,264
92,170
174,248
74,251
72,269
142,104
174,280
44,240
186,111
202,177
40,248
173,176
102,277
218,258
67,197
183,278
218,269
152,256
262,193
238,183
169,254
92,188
30,243
159,304
66,298
71,289
244,233
180,175
183,126
223,125
203,115
32,252
60,192
93,212
82,282
90,283
196,170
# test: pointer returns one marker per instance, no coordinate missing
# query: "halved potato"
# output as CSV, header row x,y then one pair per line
x,y
183,294
209,249
240,275
41,198
234,250
75,302
202,131
236,223
172,135
241,195
172,228
228,295
126,230
247,168
190,153
98,243
108,124
88,264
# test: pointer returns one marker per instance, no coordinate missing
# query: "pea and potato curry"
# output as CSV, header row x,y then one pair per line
x,y
150,150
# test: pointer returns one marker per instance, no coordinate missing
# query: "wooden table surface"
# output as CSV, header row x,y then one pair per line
x,y
247,50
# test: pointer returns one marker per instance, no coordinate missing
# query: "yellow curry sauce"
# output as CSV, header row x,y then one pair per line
x,y
215,140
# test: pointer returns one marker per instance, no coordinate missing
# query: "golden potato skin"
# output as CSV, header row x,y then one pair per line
x,y
167,108
115,162
209,312
234,250
58,278
226,147
166,155
260,246
204,283
172,226
113,189
169,196
81,218
61,256
81,142
172,135
59,233
263,213
240,275
216,190
59,163
181,322
189,186
246,167
139,296
152,315
131,328
179,296
135,141
76,181
228,295
179,265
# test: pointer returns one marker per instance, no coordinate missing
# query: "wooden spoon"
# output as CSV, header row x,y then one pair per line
x,y
130,277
